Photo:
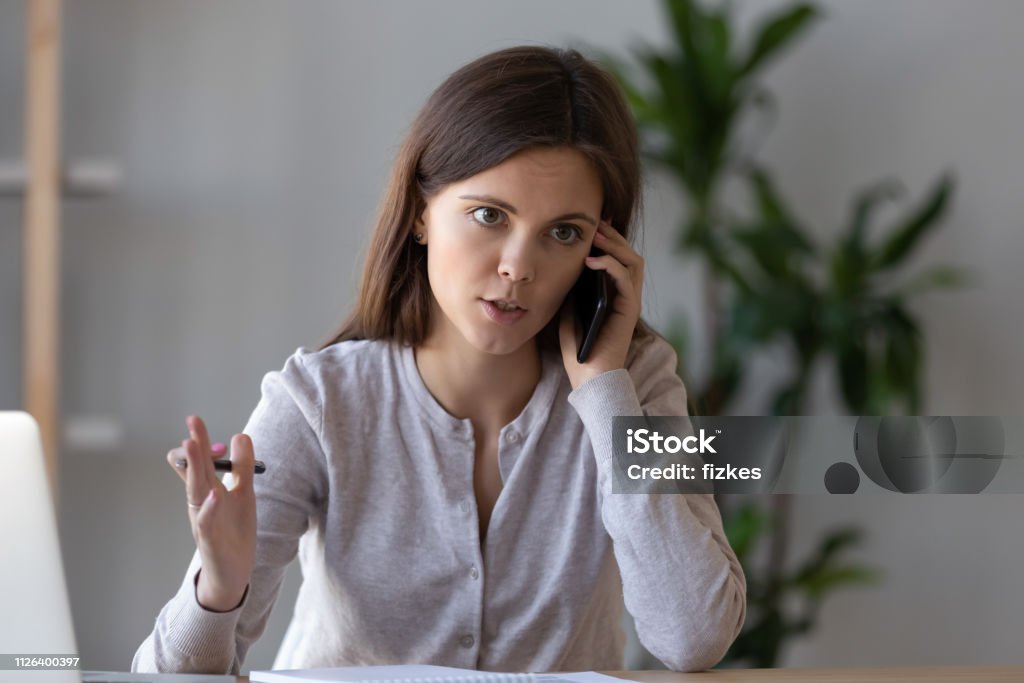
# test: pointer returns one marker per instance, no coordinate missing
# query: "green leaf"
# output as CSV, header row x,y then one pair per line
x,y
864,206
700,236
726,374
704,41
675,105
852,361
752,320
839,539
685,18
675,110
902,353
768,199
820,574
936,277
838,316
703,65
826,553
787,401
743,528
718,68
646,112
850,266
901,359
846,271
776,249
903,239
773,210
828,579
775,33
769,310
668,160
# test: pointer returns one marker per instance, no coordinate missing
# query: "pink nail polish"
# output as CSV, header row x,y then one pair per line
x,y
218,447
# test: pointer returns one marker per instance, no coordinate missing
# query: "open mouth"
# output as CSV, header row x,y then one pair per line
x,y
506,306
501,313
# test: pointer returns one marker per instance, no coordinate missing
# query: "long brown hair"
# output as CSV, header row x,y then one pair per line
x,y
482,114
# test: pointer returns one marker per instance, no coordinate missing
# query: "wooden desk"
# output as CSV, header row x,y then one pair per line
x,y
889,674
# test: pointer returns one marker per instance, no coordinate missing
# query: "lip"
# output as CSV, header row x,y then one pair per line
x,y
499,316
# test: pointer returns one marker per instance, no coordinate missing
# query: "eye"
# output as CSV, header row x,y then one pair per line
x,y
488,215
480,215
573,232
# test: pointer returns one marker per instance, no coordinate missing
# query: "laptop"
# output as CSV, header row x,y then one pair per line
x,y
35,613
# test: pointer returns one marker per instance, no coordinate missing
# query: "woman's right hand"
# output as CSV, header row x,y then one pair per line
x,y
223,520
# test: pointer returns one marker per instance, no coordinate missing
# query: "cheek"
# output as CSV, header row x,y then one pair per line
x,y
442,254
456,271
557,288
567,278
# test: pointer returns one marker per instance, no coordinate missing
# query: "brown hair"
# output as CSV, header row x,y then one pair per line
x,y
488,110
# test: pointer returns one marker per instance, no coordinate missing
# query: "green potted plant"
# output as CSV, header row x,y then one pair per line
x,y
767,279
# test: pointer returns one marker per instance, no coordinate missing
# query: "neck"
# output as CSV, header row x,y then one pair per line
x,y
491,390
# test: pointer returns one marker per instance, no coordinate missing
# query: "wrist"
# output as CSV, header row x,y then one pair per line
x,y
218,599
586,374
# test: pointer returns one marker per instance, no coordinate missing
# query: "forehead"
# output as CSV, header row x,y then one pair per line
x,y
541,179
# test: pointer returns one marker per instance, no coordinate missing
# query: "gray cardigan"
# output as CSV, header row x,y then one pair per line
x,y
370,481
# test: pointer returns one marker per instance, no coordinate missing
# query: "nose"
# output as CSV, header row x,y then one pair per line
x,y
516,264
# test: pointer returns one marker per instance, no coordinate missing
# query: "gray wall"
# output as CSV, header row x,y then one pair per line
x,y
255,139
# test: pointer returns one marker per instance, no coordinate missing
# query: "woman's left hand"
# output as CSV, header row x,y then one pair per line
x,y
625,269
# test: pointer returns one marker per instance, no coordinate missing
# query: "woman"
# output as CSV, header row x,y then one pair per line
x,y
442,465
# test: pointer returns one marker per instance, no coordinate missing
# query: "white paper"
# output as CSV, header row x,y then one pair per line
x,y
577,677
421,673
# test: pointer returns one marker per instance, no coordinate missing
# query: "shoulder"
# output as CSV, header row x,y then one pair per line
x,y
653,364
651,354
343,363
310,379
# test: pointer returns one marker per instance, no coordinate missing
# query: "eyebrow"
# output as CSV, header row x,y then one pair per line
x,y
512,210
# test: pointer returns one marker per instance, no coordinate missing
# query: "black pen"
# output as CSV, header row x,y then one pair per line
x,y
221,465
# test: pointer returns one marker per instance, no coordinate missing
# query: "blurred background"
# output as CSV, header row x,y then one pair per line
x,y
251,143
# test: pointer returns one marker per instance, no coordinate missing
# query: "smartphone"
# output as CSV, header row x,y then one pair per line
x,y
590,299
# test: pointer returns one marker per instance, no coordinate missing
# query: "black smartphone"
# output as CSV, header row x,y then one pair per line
x,y
590,299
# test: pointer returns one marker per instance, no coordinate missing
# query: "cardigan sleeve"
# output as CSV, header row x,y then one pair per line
x,y
286,434
681,580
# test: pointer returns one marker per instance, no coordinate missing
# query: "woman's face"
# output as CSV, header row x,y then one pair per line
x,y
519,230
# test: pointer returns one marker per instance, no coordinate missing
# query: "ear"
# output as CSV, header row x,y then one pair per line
x,y
421,224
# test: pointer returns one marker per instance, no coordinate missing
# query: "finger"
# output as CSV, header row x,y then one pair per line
x,y
197,430
632,260
199,433
173,456
621,276
206,509
201,437
607,238
243,461
197,484
611,242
